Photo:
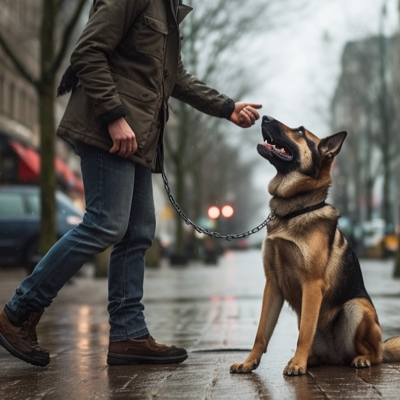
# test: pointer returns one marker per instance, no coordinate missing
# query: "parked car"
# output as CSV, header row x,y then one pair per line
x,y
380,239
20,223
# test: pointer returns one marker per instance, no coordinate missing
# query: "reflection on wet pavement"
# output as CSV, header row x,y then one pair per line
x,y
213,311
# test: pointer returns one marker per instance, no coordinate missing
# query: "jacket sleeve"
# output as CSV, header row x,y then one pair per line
x,y
192,91
108,22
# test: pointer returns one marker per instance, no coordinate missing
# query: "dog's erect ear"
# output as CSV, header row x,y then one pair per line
x,y
331,145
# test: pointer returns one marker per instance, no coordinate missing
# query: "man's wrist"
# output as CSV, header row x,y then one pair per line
x,y
227,109
112,115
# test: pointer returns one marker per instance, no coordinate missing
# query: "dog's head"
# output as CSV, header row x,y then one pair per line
x,y
299,156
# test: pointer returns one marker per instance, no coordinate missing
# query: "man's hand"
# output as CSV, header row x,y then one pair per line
x,y
245,114
123,137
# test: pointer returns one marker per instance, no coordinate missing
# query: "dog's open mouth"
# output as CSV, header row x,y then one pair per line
x,y
278,150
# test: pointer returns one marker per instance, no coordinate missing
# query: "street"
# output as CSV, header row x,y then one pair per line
x,y
213,312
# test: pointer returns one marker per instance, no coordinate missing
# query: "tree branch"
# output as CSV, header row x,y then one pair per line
x,y
20,67
65,37
60,5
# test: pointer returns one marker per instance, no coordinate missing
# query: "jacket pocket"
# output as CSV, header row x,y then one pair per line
x,y
151,37
141,106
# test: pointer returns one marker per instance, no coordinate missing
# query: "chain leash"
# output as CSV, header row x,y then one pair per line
x,y
199,229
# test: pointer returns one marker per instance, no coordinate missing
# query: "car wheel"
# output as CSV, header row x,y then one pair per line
x,y
32,256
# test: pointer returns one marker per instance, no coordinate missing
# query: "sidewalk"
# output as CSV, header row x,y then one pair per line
x,y
213,312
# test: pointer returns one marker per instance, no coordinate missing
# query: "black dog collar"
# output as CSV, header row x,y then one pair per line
x,y
304,210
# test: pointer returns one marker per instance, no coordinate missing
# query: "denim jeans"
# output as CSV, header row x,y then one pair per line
x,y
119,212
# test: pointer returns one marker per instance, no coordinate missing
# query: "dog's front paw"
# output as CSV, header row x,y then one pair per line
x,y
295,367
361,362
244,368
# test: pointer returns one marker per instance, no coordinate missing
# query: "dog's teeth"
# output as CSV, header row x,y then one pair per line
x,y
272,147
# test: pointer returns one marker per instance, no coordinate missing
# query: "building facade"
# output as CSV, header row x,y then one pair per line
x,y
18,99
19,126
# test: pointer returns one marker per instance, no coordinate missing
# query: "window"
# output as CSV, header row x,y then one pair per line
x,y
27,110
11,205
11,103
20,112
33,203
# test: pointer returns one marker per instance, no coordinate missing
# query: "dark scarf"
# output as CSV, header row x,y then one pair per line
x,y
68,82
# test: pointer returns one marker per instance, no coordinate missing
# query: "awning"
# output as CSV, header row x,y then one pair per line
x,y
29,167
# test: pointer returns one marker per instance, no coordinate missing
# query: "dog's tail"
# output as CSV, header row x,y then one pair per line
x,y
391,349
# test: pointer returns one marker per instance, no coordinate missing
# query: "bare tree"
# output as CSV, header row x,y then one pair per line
x,y
364,105
353,109
210,41
216,38
54,35
396,270
386,117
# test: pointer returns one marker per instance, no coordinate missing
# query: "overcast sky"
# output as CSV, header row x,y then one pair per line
x,y
304,58
303,66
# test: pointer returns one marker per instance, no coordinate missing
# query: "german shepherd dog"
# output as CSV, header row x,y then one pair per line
x,y
309,263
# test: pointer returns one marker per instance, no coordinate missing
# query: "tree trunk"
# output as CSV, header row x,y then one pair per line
x,y
396,271
384,119
369,171
48,234
369,186
180,175
46,90
179,236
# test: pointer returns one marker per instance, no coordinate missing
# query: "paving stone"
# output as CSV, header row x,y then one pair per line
x,y
213,311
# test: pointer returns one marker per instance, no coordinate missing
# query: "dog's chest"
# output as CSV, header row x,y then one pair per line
x,y
289,283
284,263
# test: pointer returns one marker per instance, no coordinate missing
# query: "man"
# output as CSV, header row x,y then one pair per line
x,y
124,68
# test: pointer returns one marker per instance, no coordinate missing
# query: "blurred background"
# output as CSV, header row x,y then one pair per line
x,y
328,65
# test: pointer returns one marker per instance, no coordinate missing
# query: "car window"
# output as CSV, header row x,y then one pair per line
x,y
65,205
11,205
33,203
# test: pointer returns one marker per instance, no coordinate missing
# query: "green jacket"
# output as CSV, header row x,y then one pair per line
x,y
128,64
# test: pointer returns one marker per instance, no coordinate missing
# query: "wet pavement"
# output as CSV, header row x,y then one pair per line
x,y
213,312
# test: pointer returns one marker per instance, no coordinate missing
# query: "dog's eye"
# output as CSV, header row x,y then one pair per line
x,y
301,131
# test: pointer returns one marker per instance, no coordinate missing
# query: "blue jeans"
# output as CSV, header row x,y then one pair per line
x,y
119,212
